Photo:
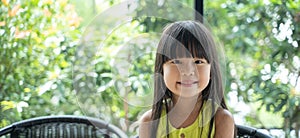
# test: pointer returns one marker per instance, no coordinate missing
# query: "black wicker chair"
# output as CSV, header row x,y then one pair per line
x,y
250,132
66,126
246,132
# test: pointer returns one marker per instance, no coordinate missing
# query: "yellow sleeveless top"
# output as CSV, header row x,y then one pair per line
x,y
192,131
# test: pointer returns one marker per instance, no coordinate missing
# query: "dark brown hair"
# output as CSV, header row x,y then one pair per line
x,y
179,39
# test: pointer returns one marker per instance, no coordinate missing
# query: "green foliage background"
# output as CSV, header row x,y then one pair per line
x,y
40,40
259,49
37,46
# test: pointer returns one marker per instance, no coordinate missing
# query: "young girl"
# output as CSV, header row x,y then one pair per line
x,y
188,91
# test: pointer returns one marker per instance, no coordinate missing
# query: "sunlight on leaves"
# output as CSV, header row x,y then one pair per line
x,y
6,105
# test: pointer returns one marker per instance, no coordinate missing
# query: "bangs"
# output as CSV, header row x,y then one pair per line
x,y
181,45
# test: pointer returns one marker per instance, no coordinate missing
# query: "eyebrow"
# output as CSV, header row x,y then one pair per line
x,y
202,59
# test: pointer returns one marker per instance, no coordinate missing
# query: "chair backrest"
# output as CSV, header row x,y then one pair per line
x,y
250,132
66,126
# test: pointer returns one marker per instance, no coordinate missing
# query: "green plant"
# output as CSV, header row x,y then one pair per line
x,y
36,48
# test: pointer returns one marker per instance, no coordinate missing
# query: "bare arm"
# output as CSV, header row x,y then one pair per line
x,y
144,128
224,124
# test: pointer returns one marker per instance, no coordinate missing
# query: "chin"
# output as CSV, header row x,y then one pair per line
x,y
186,94
189,95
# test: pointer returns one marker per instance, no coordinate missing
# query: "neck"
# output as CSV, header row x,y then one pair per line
x,y
184,106
184,111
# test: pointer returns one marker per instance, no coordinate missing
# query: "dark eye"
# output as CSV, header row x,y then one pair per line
x,y
198,62
175,61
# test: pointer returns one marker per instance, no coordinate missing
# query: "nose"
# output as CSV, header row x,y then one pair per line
x,y
188,69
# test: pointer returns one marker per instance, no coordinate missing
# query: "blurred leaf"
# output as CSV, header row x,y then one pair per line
x,y
6,105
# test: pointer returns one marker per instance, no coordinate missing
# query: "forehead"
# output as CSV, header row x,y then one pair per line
x,y
179,42
174,48
179,51
188,59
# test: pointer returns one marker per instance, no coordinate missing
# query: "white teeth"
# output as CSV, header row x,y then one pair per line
x,y
187,83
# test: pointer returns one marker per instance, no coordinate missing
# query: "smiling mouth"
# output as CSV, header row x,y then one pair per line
x,y
187,83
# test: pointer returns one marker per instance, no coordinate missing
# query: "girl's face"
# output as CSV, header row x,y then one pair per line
x,y
186,77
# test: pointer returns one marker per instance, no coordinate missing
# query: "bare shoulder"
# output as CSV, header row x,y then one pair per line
x,y
224,124
146,117
223,114
145,123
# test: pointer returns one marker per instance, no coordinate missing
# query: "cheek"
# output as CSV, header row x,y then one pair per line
x,y
170,71
170,75
204,75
